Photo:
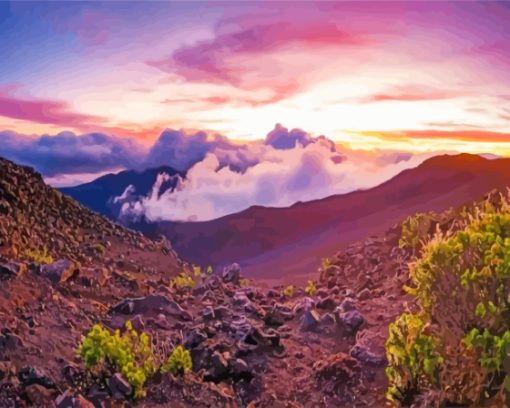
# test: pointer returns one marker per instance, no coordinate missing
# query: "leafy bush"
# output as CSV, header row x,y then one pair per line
x,y
415,230
100,249
179,362
325,263
197,271
129,353
39,256
288,291
182,281
456,343
310,288
412,356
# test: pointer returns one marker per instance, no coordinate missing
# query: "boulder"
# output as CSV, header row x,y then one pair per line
x,y
240,370
347,304
364,294
152,303
339,367
367,357
231,274
9,270
327,303
40,396
303,305
31,375
59,271
351,320
310,321
119,387
194,338
66,400
218,368
9,341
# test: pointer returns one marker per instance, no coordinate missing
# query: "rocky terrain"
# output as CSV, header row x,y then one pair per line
x,y
64,269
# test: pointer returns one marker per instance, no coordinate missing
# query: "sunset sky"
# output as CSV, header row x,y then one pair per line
x,y
406,76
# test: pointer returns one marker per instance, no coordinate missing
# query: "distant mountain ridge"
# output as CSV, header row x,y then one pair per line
x,y
291,241
98,194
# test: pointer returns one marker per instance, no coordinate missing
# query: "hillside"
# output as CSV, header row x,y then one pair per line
x,y
65,269
288,243
96,315
98,194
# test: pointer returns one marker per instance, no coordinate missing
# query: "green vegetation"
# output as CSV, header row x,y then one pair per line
x,y
183,281
310,288
179,362
130,354
100,249
456,342
412,356
40,256
288,291
197,271
415,230
325,263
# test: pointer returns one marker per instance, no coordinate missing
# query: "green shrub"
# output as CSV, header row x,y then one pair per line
x,y
129,353
310,288
415,230
100,249
182,281
325,263
412,356
179,362
288,291
457,340
40,256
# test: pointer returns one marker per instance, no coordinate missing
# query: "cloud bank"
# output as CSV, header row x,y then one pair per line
x,y
68,153
288,166
222,177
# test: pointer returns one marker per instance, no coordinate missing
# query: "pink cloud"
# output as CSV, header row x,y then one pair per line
x,y
255,53
411,93
44,111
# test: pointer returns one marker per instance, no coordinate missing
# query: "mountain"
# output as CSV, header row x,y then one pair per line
x,y
288,243
93,314
98,194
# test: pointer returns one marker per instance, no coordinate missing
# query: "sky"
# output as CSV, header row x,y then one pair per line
x,y
411,76
259,103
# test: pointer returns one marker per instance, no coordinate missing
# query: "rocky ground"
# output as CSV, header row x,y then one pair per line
x,y
251,345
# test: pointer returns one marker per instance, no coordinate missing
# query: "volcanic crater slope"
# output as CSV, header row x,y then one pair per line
x,y
64,269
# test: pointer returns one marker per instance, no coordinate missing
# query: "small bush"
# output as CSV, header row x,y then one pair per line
x,y
325,263
39,256
100,249
209,270
415,230
182,281
179,362
288,291
197,271
130,354
310,288
456,342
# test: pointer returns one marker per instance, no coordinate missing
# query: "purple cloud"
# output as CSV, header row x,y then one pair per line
x,y
44,111
67,153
